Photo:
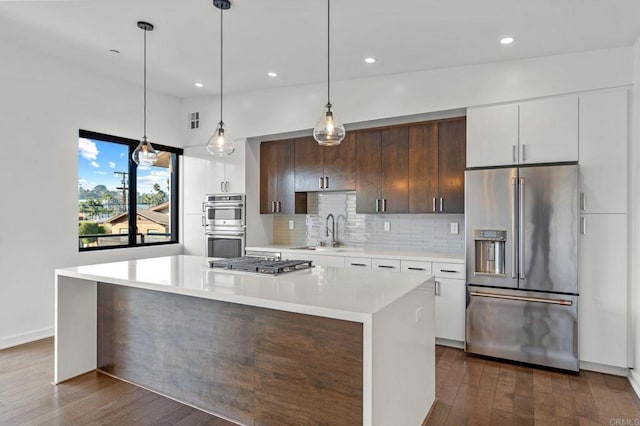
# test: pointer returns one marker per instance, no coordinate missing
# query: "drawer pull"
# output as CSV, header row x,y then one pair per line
x,y
451,271
358,264
411,268
386,266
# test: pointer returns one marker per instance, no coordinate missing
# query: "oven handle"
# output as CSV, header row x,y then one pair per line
x,y
522,298
230,207
225,234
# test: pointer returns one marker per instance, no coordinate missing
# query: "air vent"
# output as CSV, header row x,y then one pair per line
x,y
194,120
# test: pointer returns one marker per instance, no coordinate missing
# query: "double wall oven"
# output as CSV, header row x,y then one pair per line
x,y
224,221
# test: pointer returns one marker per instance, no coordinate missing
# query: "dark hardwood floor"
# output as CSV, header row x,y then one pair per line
x,y
470,391
476,391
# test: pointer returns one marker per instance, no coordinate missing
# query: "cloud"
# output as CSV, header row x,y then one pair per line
x,y
122,155
145,183
112,164
101,173
88,149
95,164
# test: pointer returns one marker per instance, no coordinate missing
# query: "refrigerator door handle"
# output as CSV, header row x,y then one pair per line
x,y
513,153
562,302
521,266
514,234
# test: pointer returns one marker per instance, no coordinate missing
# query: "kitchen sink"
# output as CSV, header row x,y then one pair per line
x,y
314,248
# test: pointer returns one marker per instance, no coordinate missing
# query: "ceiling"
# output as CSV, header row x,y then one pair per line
x,y
289,36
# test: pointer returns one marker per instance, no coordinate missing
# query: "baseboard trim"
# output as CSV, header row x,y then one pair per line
x,y
606,369
20,339
450,343
634,379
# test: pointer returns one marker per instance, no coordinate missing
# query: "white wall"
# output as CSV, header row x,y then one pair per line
x,y
43,103
634,227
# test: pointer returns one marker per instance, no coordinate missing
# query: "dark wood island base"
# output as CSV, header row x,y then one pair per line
x,y
248,364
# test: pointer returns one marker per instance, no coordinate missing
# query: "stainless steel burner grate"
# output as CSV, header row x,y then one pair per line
x,y
259,265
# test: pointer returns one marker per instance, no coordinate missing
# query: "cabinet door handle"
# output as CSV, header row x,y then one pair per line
x,y
387,266
321,182
226,186
203,208
434,204
441,203
273,207
513,153
279,207
583,225
326,182
450,271
377,205
411,268
524,152
583,201
384,204
358,264
203,224
221,186
437,288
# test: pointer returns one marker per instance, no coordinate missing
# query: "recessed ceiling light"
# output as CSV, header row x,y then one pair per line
x,y
272,74
370,60
507,40
199,85
114,51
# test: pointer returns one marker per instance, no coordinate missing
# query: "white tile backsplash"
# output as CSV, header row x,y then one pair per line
x,y
415,232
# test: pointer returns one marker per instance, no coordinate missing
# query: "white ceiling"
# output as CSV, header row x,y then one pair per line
x,y
289,36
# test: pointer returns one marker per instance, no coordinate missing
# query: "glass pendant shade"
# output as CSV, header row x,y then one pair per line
x,y
328,130
144,154
219,145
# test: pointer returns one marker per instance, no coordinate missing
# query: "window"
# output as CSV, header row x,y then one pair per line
x,y
109,215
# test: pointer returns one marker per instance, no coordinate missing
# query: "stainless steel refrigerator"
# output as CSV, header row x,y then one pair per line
x,y
522,264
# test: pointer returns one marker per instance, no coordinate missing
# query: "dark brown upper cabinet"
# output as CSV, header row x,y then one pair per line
x,y
325,168
382,157
437,161
277,177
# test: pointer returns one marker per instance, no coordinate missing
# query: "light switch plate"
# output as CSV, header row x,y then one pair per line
x,y
291,224
453,227
387,225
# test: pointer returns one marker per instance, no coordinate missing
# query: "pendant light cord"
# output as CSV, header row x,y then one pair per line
x,y
221,61
328,54
144,79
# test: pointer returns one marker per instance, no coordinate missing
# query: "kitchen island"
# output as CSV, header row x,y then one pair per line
x,y
322,345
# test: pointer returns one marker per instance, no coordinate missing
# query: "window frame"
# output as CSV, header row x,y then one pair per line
x,y
133,189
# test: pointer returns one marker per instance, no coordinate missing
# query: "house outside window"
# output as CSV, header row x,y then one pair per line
x,y
109,215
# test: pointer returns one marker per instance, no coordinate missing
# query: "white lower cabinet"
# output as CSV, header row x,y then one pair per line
x,y
450,309
357,262
602,308
386,264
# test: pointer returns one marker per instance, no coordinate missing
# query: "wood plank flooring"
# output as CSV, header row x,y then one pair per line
x,y
476,391
470,391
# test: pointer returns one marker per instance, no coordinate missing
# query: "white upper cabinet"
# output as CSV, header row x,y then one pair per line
x,y
603,152
549,130
492,135
541,131
227,174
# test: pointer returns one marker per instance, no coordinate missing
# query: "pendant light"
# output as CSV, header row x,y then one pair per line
x,y
328,130
219,145
144,154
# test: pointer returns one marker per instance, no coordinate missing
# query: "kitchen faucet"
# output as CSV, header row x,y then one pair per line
x,y
334,243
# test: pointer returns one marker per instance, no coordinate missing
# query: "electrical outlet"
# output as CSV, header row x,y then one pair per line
x,y
291,224
387,225
453,228
419,314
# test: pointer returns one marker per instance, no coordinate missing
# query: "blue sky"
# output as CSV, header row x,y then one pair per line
x,y
98,160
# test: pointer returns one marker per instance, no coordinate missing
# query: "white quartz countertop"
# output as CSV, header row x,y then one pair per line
x,y
361,252
340,293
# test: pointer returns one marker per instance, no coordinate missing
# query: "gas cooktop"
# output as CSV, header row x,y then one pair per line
x,y
260,265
